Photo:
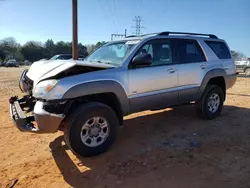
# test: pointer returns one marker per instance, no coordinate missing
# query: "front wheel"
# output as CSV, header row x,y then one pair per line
x,y
211,103
91,129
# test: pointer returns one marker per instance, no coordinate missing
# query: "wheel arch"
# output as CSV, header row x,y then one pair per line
x,y
213,77
108,92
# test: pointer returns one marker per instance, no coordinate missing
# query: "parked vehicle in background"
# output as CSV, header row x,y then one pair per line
x,y
243,66
11,63
88,99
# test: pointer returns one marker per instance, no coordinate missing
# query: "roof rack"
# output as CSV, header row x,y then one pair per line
x,y
131,36
184,33
142,35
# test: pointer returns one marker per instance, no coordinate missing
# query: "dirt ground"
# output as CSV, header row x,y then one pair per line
x,y
169,148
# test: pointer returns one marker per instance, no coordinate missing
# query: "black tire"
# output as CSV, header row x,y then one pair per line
x,y
77,119
247,72
202,107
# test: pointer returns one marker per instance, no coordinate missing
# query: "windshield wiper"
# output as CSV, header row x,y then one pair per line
x,y
106,62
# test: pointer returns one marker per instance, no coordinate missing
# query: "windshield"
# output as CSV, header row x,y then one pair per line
x,y
113,53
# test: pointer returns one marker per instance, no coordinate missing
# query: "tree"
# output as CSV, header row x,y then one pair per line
x,y
18,55
63,48
82,50
33,51
99,44
50,47
237,55
90,48
9,48
2,55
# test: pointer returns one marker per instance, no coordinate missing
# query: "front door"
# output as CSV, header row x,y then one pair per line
x,y
154,86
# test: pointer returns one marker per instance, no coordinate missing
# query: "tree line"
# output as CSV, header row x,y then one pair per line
x,y
34,51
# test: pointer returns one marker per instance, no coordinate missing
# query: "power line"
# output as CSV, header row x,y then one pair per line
x,y
138,27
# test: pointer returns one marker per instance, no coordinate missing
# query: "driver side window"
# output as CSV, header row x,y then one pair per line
x,y
160,51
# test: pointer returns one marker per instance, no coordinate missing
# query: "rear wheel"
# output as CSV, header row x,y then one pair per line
x,y
91,129
211,103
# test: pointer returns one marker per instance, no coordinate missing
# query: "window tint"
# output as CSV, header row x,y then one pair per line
x,y
189,51
160,50
220,49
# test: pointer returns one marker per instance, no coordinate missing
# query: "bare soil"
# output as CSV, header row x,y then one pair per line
x,y
167,148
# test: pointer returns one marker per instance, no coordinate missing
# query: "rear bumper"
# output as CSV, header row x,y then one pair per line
x,y
45,122
230,80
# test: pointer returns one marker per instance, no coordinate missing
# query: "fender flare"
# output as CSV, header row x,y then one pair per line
x,y
98,87
219,72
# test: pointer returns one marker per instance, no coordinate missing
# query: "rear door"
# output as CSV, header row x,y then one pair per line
x,y
192,68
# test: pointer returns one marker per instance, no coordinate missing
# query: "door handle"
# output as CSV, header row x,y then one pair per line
x,y
171,70
203,66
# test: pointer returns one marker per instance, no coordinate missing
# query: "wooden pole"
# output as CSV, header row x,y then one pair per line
x,y
75,33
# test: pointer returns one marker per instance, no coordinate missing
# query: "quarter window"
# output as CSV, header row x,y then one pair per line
x,y
220,49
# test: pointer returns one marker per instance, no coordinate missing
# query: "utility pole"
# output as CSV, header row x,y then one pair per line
x,y
119,35
74,30
138,20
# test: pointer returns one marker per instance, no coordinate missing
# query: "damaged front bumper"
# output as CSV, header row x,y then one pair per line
x,y
45,122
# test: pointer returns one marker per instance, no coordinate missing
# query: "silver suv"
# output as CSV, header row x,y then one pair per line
x,y
88,99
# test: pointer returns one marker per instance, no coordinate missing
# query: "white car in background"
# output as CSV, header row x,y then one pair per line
x,y
243,66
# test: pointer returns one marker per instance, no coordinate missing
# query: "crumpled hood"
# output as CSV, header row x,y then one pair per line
x,y
44,69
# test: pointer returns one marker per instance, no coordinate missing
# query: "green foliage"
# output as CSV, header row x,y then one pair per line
x,y
99,44
2,55
91,47
50,46
33,51
82,50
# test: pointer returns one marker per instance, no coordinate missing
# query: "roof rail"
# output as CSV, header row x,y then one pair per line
x,y
141,35
184,33
131,36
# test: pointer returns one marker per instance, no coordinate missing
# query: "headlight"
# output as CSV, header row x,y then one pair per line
x,y
43,88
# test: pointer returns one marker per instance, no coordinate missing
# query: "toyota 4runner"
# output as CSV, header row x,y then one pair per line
x,y
88,99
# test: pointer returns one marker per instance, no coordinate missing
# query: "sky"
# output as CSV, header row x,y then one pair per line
x,y
40,20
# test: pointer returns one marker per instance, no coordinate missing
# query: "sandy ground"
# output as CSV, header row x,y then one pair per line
x,y
170,148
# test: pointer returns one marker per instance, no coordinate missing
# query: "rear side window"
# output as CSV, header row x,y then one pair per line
x,y
220,49
189,51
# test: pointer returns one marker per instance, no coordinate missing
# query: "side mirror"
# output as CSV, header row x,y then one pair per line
x,y
143,59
